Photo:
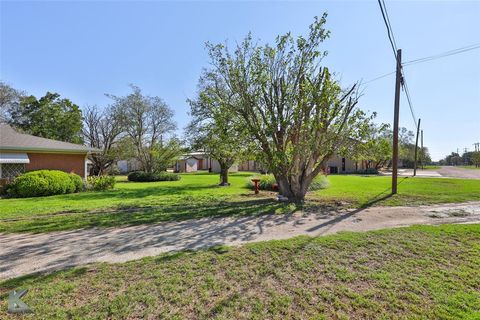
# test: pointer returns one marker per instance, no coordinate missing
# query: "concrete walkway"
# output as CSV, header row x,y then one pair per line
x,y
22,254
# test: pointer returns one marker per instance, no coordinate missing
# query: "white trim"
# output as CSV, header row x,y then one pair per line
x,y
85,168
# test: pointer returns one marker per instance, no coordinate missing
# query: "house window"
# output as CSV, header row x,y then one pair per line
x,y
11,170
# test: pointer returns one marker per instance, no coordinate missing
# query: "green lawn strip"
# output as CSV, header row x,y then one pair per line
x,y
421,272
198,196
146,215
361,191
202,186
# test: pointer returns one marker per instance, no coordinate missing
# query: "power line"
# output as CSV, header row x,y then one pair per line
x,y
390,25
391,37
444,54
429,58
409,100
389,32
380,77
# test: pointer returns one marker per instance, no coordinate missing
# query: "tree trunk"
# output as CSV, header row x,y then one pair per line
x,y
283,186
224,175
295,192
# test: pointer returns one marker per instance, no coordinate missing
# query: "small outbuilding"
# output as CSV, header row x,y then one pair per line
x,y
21,152
197,161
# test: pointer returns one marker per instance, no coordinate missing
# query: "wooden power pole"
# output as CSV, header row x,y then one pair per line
x,y
416,150
421,150
396,116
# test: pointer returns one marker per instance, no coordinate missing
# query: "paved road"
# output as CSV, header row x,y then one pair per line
x,y
454,172
22,254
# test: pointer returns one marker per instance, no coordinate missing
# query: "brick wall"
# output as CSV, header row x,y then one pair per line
x,y
57,161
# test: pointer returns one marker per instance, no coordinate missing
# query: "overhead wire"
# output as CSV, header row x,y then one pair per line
x,y
391,37
429,58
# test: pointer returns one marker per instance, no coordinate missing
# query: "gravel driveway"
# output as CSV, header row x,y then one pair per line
x,y
22,254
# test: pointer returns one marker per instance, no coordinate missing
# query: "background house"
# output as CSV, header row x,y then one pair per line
x,y
338,164
23,152
126,166
196,161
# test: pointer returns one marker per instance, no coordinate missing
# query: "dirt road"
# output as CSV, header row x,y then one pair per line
x,y
22,254
454,172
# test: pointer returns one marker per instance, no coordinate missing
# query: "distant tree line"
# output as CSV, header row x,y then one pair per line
x,y
471,158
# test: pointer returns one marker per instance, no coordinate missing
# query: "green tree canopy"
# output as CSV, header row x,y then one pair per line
x,y
291,106
48,117
214,128
148,122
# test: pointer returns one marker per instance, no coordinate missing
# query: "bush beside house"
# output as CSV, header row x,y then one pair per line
x,y
44,183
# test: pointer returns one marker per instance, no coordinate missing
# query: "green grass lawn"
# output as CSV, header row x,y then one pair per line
x,y
365,190
421,272
197,196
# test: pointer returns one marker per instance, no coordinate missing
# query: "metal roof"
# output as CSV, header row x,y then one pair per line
x,y
16,141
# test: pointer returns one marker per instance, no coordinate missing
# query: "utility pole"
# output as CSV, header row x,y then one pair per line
x,y
477,146
421,143
396,115
416,149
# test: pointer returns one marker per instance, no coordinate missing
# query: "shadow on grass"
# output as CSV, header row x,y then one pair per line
x,y
384,195
147,215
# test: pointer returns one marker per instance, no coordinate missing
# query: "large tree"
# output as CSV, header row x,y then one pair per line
x,y
376,151
103,129
9,100
48,117
475,159
148,121
214,129
293,108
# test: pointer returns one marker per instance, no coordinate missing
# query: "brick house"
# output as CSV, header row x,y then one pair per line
x,y
23,152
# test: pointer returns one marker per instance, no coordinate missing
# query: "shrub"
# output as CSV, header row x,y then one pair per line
x,y
77,182
101,183
41,183
267,182
320,182
113,170
368,171
141,176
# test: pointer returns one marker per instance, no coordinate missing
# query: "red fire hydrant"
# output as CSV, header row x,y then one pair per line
x,y
255,182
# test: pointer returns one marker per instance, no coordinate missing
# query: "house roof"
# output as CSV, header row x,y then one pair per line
x,y
16,141
198,155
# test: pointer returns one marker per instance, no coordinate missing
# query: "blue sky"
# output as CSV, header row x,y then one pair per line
x,y
83,50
